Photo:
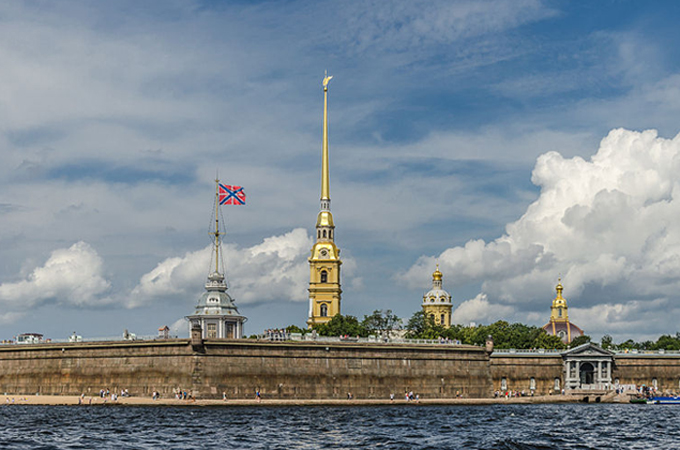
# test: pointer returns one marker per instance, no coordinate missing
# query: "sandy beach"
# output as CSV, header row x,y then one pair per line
x,y
14,400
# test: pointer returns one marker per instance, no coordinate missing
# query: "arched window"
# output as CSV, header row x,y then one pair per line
x,y
324,233
324,276
557,384
318,233
443,322
504,384
559,312
324,310
532,384
330,234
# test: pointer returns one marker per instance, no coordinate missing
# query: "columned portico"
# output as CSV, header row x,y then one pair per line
x,y
587,367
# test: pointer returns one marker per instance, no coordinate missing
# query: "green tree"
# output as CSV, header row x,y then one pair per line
x,y
607,342
341,325
381,322
421,326
295,329
580,340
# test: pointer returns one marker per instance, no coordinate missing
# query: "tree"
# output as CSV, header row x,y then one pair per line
x,y
341,325
295,329
422,326
607,342
580,340
381,323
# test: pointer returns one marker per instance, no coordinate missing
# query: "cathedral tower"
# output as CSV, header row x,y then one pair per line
x,y
324,263
559,324
437,302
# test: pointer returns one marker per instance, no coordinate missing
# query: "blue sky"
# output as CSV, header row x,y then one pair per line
x,y
504,139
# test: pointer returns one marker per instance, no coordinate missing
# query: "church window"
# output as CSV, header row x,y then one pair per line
x,y
532,384
431,299
557,384
324,310
330,234
324,233
442,320
324,276
559,312
230,330
504,384
318,233
212,330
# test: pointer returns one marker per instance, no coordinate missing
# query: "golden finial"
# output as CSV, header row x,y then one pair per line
x,y
437,275
326,80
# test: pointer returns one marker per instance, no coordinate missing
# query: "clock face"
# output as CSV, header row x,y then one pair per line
x,y
323,252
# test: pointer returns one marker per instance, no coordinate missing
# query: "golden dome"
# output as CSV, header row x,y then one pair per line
x,y
559,301
325,219
437,275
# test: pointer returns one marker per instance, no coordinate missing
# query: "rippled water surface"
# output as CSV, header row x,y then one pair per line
x,y
386,427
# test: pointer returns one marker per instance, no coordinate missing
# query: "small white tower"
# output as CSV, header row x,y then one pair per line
x,y
216,314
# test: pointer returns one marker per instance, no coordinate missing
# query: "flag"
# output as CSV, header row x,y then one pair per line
x,y
231,195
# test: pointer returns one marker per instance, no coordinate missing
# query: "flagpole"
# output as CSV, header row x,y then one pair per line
x,y
217,225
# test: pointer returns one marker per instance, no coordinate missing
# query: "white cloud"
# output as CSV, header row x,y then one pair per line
x,y
608,225
71,276
276,269
479,309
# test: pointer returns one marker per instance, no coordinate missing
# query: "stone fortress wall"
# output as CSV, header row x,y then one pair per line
x,y
300,370
280,370
651,369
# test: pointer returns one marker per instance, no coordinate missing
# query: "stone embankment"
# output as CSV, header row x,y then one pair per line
x,y
14,400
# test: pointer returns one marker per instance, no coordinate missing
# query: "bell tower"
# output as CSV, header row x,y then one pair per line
x,y
324,262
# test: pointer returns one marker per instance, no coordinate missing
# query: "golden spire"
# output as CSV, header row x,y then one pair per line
x,y
325,182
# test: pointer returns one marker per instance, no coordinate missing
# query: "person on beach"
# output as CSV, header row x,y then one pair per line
x,y
392,397
257,395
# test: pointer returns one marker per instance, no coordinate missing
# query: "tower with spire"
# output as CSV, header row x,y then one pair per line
x,y
215,314
324,262
559,324
437,302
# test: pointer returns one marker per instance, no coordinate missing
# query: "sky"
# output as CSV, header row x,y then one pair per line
x,y
511,142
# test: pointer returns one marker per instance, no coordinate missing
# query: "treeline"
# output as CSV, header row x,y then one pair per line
x,y
382,323
505,335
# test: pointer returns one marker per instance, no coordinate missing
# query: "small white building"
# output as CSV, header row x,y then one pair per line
x,y
216,312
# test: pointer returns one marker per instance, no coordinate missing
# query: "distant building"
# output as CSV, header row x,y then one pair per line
x,y
164,332
559,324
215,313
437,302
29,338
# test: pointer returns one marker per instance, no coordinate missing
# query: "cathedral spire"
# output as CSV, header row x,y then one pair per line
x,y
325,180
324,263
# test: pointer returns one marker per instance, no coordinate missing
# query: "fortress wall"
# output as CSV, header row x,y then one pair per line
x,y
285,370
518,369
644,368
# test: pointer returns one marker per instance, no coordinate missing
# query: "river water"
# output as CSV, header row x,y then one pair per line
x,y
574,426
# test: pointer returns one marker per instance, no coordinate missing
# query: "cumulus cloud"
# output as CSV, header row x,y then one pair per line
x,y
607,225
276,269
71,276
479,309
